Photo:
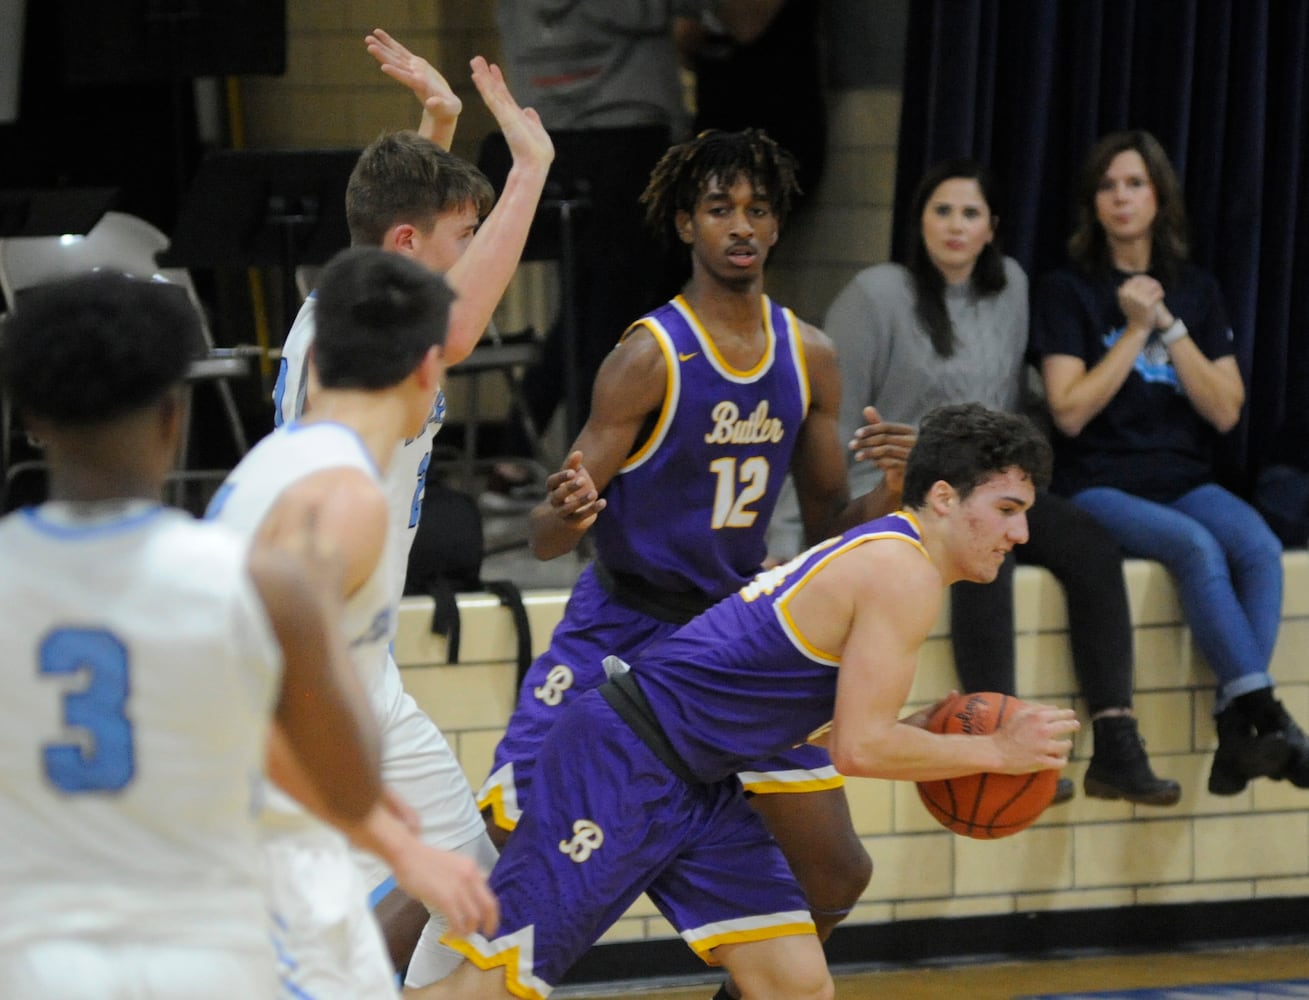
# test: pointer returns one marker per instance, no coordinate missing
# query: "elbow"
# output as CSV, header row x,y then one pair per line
x,y
1068,423
1227,419
1228,413
855,760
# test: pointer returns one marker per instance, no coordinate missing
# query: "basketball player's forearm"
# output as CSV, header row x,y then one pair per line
x,y
340,798
548,537
482,274
881,500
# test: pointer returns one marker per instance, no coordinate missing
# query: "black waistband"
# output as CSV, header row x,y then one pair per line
x,y
627,699
641,595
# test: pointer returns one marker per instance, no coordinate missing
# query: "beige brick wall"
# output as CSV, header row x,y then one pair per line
x,y
1086,854
334,95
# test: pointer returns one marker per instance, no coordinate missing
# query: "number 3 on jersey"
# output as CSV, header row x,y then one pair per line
x,y
103,760
731,509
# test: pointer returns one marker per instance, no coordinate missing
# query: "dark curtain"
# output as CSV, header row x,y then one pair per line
x,y
1028,85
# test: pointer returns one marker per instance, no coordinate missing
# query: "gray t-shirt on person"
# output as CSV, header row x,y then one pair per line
x,y
586,64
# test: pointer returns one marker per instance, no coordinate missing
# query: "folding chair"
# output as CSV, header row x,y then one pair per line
x,y
126,243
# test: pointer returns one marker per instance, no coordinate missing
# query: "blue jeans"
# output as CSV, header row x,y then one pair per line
x,y
1226,563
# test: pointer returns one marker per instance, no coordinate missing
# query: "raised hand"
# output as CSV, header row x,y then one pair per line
x,y
529,143
441,106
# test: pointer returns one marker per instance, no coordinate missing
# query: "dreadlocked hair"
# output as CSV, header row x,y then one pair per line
x,y
683,174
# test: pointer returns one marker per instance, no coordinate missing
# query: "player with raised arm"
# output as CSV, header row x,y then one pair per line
x,y
381,319
408,196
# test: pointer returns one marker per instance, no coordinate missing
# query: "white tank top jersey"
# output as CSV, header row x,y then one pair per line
x,y
140,675
286,456
406,474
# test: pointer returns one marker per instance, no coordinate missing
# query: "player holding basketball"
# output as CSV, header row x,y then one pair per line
x,y
408,196
635,790
131,862
697,415
377,354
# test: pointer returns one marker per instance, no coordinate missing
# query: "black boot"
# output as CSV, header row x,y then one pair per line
x,y
1269,716
1119,768
1244,751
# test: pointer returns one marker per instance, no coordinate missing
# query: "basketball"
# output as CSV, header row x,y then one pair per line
x,y
985,806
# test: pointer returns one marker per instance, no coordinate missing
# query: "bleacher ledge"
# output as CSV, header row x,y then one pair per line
x,y
1089,854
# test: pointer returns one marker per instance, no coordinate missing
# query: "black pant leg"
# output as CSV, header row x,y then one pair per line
x,y
1088,563
982,632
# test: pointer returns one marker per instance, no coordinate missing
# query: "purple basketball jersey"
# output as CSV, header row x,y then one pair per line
x,y
689,507
740,683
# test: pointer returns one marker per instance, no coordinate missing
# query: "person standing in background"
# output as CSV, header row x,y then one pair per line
x,y
409,196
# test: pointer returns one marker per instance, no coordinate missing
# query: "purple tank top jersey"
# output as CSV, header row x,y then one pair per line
x,y
740,683
689,508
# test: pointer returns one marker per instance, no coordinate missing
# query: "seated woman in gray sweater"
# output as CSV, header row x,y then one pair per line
x,y
950,326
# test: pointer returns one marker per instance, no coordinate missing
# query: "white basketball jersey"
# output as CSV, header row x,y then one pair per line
x,y
283,458
140,673
406,475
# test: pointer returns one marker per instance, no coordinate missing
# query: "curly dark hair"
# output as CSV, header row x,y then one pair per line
x,y
966,443
683,173
89,349
378,314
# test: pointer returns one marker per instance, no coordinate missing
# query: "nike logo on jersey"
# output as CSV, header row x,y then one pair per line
x,y
686,357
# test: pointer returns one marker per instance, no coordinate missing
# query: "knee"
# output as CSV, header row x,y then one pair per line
x,y
795,979
835,881
1263,547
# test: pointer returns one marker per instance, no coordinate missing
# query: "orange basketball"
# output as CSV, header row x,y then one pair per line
x,y
986,805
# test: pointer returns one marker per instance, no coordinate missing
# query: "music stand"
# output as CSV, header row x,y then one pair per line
x,y
53,211
265,208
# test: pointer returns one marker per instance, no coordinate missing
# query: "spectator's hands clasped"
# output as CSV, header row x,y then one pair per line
x,y
1141,298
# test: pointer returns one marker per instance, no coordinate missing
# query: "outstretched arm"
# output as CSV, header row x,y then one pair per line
x,y
628,388
481,275
441,106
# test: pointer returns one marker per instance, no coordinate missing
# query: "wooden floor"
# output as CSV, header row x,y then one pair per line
x,y
1048,976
